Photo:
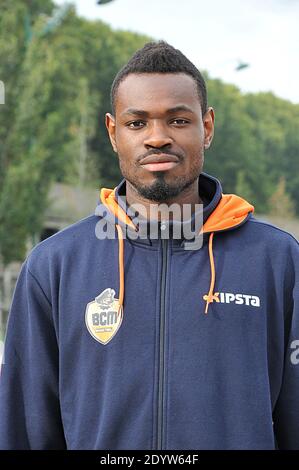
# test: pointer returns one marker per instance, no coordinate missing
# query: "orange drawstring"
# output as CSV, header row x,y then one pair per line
x,y
121,264
210,297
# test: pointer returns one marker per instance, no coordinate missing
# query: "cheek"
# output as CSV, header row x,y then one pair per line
x,y
195,157
123,144
126,154
191,141
125,137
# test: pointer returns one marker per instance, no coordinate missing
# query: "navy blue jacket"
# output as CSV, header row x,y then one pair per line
x,y
120,343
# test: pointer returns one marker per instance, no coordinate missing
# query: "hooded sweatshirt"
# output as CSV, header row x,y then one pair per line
x,y
119,342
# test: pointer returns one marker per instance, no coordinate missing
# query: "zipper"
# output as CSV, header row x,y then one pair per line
x,y
161,378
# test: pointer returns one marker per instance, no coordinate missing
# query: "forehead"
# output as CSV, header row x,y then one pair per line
x,y
157,91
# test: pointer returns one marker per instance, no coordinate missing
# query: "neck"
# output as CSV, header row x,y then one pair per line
x,y
152,210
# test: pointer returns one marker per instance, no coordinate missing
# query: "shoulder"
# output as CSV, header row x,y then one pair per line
x,y
64,243
271,232
279,246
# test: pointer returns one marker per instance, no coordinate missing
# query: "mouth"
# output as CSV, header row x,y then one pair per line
x,y
163,162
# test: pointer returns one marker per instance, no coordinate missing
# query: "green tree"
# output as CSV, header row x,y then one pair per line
x,y
15,19
280,203
236,153
275,123
54,135
243,188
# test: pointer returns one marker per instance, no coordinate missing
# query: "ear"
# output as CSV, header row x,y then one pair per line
x,y
208,122
110,125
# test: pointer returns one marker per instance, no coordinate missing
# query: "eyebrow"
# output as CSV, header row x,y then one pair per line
x,y
175,109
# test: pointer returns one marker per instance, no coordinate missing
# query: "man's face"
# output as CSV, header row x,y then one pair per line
x,y
158,117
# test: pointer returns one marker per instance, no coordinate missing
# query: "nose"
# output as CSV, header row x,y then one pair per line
x,y
157,136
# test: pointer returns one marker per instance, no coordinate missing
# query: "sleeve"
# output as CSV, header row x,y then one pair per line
x,y
30,415
286,412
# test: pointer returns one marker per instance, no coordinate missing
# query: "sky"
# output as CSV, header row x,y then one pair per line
x,y
217,35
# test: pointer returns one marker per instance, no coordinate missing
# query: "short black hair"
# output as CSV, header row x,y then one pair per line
x,y
160,57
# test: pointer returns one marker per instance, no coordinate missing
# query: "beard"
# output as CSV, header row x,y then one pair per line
x,y
160,190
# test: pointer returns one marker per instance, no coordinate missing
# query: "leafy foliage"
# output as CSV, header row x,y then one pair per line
x,y
57,76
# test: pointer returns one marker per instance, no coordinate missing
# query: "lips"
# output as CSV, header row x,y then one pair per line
x,y
161,158
162,162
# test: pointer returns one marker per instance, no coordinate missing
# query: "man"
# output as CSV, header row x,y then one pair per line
x,y
134,341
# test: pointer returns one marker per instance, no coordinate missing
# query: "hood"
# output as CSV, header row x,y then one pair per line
x,y
221,212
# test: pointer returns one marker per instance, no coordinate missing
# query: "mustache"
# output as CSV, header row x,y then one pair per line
x,y
159,152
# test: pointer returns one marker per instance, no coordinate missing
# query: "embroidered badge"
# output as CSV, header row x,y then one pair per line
x,y
103,316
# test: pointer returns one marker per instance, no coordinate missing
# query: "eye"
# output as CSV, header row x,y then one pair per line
x,y
135,124
180,121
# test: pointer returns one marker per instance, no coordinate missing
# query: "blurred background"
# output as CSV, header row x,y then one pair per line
x,y
57,63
